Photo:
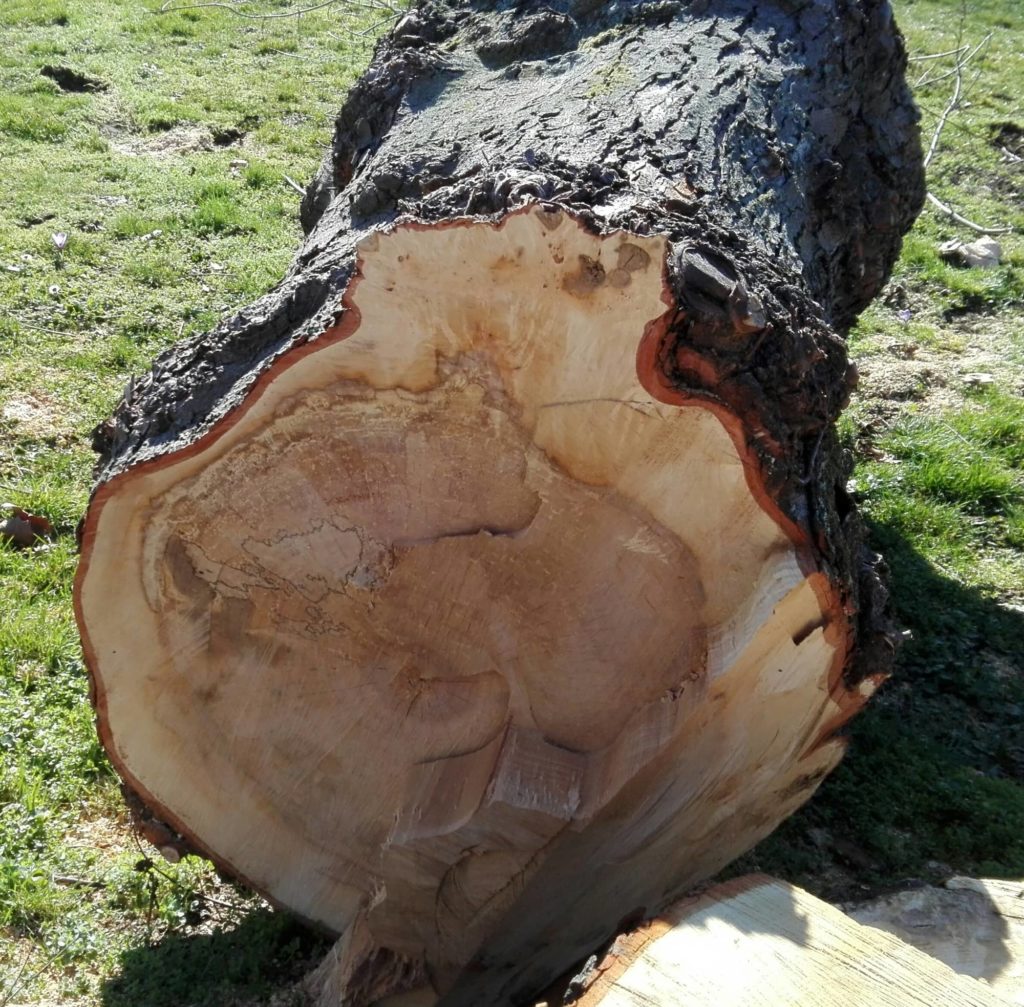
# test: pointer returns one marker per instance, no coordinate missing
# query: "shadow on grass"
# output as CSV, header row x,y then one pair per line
x,y
933,784
266,951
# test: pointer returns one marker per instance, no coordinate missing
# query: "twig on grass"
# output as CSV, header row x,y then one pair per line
x,y
371,28
950,108
291,55
16,982
954,102
68,881
936,55
166,9
964,54
21,980
44,328
961,219
295,185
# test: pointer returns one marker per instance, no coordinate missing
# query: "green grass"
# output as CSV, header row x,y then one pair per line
x,y
36,116
969,171
167,235
969,460
35,13
934,780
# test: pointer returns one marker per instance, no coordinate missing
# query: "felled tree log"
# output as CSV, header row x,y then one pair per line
x,y
493,580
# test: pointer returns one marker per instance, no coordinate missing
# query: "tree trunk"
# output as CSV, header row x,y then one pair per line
x,y
493,579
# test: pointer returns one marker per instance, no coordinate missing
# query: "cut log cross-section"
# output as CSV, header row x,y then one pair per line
x,y
492,580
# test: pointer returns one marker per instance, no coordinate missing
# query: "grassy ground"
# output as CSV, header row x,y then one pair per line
x,y
934,782
169,184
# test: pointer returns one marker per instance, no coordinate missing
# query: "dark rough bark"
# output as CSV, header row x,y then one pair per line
x,y
774,142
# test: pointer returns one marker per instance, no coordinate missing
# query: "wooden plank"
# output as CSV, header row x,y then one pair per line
x,y
974,925
760,942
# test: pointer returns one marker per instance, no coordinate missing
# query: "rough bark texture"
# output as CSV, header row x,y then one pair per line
x,y
776,143
773,143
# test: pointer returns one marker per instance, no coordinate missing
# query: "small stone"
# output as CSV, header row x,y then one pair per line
x,y
985,253
17,531
979,380
53,289
22,528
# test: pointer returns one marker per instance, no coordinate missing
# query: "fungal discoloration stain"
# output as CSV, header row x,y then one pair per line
x,y
632,257
586,279
551,219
